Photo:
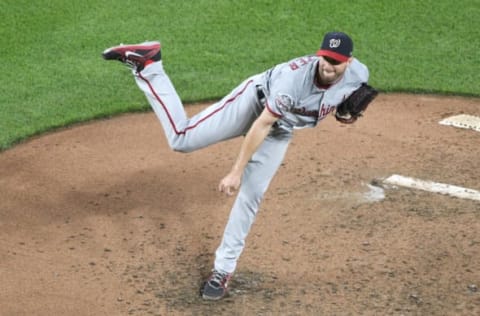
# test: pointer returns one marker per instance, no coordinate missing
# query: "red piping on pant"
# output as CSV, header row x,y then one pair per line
x,y
172,122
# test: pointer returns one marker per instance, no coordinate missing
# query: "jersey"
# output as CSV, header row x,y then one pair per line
x,y
293,95
289,92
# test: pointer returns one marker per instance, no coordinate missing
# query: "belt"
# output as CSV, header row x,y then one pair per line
x,y
261,94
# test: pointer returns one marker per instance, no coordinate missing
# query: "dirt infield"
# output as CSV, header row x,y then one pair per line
x,y
104,219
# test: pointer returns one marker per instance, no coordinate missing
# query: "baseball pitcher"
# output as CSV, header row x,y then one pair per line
x,y
266,108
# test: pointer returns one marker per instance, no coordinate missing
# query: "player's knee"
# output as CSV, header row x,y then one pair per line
x,y
181,148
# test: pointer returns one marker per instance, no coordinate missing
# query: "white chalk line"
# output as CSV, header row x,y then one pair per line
x,y
461,121
435,187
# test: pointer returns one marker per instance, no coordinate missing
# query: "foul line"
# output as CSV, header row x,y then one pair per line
x,y
435,187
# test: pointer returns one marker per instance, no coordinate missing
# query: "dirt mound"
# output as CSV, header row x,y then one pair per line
x,y
104,219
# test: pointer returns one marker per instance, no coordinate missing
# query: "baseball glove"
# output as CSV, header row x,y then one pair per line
x,y
353,107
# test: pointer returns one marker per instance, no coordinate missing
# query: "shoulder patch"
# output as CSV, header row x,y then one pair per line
x,y
284,102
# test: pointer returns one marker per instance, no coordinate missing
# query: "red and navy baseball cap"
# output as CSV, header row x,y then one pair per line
x,y
336,45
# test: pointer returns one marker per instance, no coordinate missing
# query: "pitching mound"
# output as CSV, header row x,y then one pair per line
x,y
104,219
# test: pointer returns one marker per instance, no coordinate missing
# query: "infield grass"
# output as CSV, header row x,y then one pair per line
x,y
52,73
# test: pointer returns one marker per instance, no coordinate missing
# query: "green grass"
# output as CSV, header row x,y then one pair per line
x,y
52,73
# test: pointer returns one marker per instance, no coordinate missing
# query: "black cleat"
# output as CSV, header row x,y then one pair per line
x,y
215,288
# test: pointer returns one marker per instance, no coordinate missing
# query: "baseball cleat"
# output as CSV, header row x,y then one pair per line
x,y
136,56
215,288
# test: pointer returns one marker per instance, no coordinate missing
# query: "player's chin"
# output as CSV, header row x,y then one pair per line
x,y
329,78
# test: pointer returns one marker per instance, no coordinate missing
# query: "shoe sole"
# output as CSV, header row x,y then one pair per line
x,y
118,52
212,298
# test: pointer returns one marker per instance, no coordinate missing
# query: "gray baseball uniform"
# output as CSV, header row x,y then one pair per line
x,y
288,91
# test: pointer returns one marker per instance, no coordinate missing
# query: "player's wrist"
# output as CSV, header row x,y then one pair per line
x,y
237,170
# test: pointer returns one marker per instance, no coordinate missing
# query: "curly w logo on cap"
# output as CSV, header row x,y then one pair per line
x,y
336,45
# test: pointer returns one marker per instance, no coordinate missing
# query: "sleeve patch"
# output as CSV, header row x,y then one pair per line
x,y
284,102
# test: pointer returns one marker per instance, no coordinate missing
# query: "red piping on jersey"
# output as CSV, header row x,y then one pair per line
x,y
201,120
271,110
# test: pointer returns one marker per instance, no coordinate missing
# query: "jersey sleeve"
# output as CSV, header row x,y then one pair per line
x,y
359,72
281,95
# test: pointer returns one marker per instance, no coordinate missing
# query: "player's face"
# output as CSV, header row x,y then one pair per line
x,y
330,70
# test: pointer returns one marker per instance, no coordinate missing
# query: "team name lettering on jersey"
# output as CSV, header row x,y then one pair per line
x,y
325,110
